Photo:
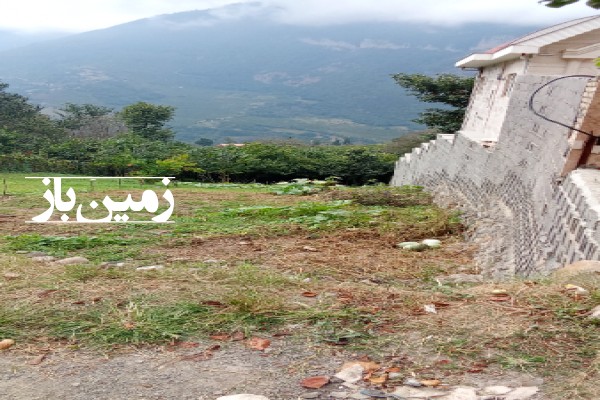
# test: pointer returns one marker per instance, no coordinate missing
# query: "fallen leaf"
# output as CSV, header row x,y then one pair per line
x,y
6,343
315,382
440,304
309,294
220,336
129,325
37,360
430,382
393,369
257,343
378,380
79,302
237,336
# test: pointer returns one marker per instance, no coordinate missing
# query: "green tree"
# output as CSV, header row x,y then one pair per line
x,y
561,3
90,120
23,127
452,90
204,142
148,120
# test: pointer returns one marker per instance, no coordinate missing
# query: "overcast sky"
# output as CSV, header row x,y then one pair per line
x,y
85,15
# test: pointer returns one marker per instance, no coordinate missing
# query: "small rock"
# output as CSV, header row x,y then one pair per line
x,y
309,248
402,245
242,397
358,396
412,382
211,261
576,289
417,393
310,395
150,268
9,276
522,393
595,313
394,375
378,394
244,243
416,247
21,252
338,395
72,261
112,264
496,390
351,374
460,278
43,258
433,243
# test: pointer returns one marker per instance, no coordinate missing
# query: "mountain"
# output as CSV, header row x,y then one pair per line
x,y
237,74
10,40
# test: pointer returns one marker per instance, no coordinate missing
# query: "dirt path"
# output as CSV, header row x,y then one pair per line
x,y
184,374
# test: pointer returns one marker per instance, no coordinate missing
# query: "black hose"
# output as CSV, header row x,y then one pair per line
x,y
551,120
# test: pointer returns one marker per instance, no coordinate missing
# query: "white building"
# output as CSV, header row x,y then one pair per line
x,y
516,167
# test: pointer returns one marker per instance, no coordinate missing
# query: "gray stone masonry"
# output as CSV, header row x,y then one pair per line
x,y
525,221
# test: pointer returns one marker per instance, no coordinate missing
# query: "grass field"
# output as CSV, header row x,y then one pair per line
x,y
239,259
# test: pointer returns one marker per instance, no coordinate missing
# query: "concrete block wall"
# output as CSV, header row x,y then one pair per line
x,y
509,191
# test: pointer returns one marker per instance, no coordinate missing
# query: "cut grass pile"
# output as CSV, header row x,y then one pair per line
x,y
322,267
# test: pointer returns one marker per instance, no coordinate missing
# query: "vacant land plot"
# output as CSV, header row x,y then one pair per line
x,y
258,290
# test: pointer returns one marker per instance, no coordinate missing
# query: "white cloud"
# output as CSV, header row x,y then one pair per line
x,y
381,44
83,15
330,44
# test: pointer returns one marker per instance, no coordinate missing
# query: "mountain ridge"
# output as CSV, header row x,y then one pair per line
x,y
242,77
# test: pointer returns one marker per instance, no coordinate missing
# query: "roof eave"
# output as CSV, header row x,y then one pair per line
x,y
479,60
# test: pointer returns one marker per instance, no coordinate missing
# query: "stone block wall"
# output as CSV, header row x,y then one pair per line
x,y
509,190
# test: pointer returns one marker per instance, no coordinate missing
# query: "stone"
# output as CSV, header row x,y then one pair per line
x,y
417,393
9,276
358,396
72,261
433,243
43,258
496,390
595,313
242,397
522,393
412,382
310,395
150,268
338,395
351,374
460,278
112,264
21,252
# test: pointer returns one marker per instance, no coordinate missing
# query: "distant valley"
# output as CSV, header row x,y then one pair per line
x,y
248,78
